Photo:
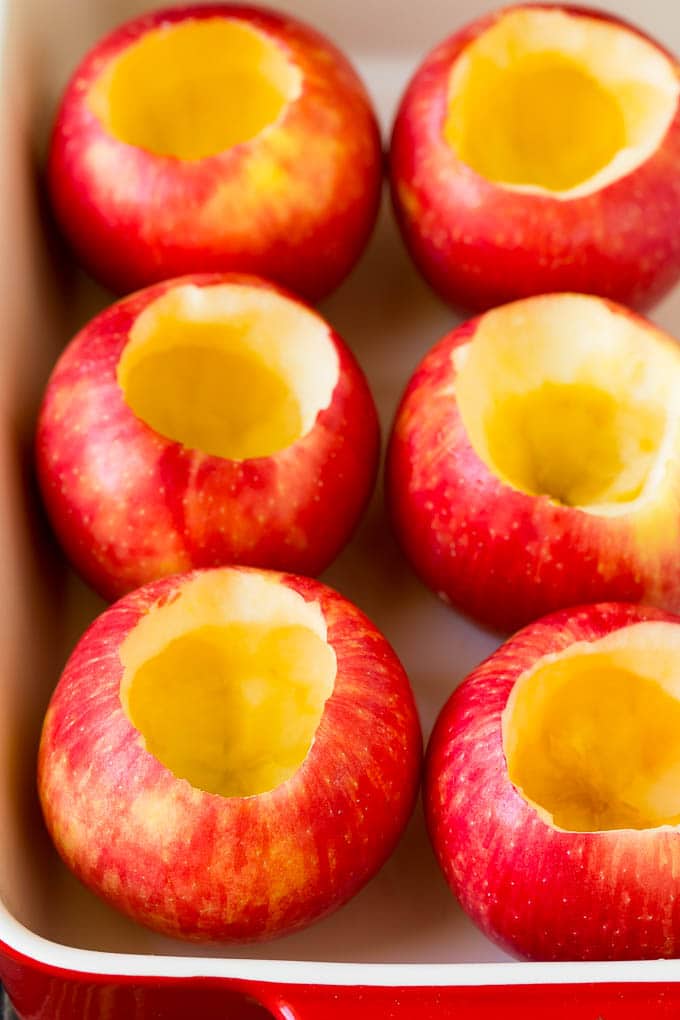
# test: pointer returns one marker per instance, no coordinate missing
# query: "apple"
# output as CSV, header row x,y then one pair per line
x,y
534,462
214,138
552,787
203,421
536,150
229,754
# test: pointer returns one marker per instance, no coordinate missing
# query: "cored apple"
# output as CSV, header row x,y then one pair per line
x,y
203,421
537,150
229,754
534,462
552,787
212,138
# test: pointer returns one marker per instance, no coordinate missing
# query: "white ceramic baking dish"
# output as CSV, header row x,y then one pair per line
x,y
402,948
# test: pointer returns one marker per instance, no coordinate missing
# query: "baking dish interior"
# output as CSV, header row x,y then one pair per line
x,y
389,318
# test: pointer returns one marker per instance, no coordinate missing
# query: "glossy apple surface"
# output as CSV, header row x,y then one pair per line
x,y
551,789
214,138
229,754
534,461
536,150
204,421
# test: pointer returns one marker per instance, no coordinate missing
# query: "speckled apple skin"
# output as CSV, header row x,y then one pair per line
x,y
539,892
200,866
129,505
479,244
295,204
503,556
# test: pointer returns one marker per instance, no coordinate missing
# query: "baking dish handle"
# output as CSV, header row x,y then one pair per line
x,y
354,1002
615,1001
322,1002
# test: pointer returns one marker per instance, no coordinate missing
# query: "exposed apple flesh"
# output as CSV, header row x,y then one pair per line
x,y
569,399
235,372
592,736
555,100
256,697
192,90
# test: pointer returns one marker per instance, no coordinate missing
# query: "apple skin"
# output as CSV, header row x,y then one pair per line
x,y
134,217
540,892
479,244
502,556
129,505
197,865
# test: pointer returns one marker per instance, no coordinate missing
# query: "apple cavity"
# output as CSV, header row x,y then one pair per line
x,y
552,787
212,138
538,150
533,463
229,754
204,421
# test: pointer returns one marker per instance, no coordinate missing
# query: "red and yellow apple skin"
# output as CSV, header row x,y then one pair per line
x,y
201,866
129,505
541,892
480,244
503,556
295,204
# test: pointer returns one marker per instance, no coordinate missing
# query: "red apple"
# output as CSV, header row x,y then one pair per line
x,y
552,787
211,138
203,421
534,462
229,754
536,150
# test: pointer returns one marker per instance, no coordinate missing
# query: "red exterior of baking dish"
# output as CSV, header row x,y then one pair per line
x,y
43,992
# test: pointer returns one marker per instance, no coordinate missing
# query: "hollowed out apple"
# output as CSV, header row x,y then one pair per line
x,y
203,421
553,787
536,150
229,754
534,461
212,138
